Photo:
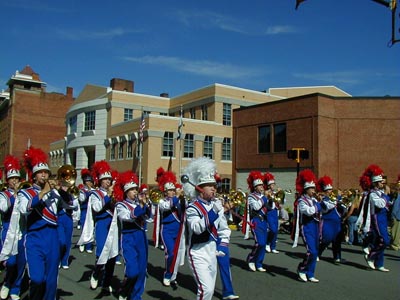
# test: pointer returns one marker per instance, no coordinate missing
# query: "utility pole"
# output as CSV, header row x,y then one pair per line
x,y
298,154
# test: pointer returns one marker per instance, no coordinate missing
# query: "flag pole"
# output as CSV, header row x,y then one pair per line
x,y
180,135
141,128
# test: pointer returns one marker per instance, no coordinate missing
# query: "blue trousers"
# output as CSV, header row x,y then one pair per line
x,y
310,235
169,234
135,251
225,271
42,253
259,231
65,229
273,226
380,238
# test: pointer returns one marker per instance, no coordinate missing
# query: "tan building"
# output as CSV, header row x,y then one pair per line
x,y
103,123
30,115
342,134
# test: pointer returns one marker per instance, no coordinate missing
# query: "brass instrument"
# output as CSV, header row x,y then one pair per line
x,y
66,175
155,195
279,197
24,185
73,190
236,198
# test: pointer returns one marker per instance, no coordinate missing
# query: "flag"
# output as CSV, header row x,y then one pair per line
x,y
298,2
180,125
142,127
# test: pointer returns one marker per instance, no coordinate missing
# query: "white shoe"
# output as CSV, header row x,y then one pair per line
x,y
230,297
275,251
89,251
65,267
14,297
4,292
166,282
122,298
268,248
369,262
93,282
366,250
261,269
78,227
313,279
317,258
383,269
252,266
81,248
118,262
302,276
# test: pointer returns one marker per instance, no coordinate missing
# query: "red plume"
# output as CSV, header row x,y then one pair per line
x,y
268,177
253,175
304,176
323,182
121,180
99,168
142,187
373,170
11,163
32,157
160,172
165,178
85,172
365,182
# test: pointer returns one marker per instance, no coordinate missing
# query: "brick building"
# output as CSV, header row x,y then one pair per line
x,y
343,135
29,114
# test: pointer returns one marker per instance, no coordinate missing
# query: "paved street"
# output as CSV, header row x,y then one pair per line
x,y
351,280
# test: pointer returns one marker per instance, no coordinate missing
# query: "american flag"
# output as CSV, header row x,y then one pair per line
x,y
142,127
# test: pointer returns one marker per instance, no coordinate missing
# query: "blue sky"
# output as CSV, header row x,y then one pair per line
x,y
176,46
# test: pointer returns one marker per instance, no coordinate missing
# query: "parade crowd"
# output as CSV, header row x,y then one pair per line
x,y
191,217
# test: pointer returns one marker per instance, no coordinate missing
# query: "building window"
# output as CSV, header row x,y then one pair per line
x,y
72,124
280,137
188,148
204,112
208,147
168,144
129,147
146,112
192,112
163,114
227,114
121,150
90,120
128,114
264,139
112,151
226,149
225,185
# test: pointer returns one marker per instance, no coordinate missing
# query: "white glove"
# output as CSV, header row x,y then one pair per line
x,y
217,206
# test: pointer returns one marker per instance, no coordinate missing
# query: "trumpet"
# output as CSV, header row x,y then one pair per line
x,y
236,198
155,195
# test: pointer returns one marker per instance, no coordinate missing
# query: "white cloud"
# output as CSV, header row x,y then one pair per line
x,y
77,35
199,67
211,20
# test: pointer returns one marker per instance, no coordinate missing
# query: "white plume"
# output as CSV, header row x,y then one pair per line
x,y
198,168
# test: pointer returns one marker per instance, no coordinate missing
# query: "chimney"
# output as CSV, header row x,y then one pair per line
x,y
69,92
164,95
124,85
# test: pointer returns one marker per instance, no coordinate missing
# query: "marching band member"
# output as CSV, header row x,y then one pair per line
x,y
172,210
257,203
331,219
308,216
202,214
15,263
272,213
101,203
84,193
40,204
395,243
66,176
378,211
132,210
